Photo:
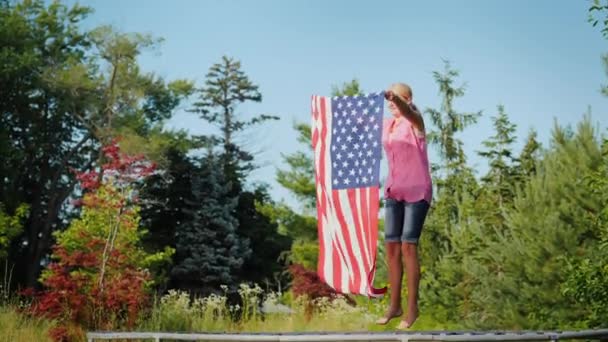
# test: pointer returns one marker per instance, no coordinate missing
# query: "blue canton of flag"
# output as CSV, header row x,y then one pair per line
x,y
356,145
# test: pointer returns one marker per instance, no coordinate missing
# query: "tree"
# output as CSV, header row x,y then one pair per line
x,y
499,179
209,251
599,11
449,122
529,157
548,226
266,242
10,227
163,197
99,277
59,105
226,87
448,224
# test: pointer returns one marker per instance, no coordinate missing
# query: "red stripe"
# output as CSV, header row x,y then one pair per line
x,y
354,272
368,227
342,256
373,208
315,116
360,228
321,202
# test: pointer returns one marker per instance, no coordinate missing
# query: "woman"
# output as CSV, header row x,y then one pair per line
x,y
408,193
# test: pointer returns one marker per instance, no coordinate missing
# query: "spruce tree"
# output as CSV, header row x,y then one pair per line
x,y
209,251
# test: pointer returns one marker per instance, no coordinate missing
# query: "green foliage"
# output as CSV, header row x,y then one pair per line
x,y
10,227
448,122
528,157
209,251
226,87
350,88
598,11
587,280
266,242
98,277
521,267
66,92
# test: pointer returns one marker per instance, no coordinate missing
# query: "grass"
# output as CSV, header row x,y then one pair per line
x,y
177,312
16,327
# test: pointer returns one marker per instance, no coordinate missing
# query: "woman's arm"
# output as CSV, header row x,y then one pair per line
x,y
406,110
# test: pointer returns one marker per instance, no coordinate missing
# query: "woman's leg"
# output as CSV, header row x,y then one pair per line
x,y
412,272
413,220
395,276
393,229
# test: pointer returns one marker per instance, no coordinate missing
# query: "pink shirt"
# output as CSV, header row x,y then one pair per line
x,y
409,177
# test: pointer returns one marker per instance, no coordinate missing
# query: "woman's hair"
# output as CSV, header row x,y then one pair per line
x,y
402,89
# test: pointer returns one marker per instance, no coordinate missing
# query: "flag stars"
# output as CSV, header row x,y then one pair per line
x,y
354,156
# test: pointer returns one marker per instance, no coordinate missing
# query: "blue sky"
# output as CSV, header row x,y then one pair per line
x,y
540,59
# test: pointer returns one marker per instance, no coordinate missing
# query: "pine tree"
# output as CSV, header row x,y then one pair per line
x,y
520,271
500,177
452,211
226,87
529,157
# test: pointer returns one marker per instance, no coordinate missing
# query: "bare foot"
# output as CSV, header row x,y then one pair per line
x,y
409,321
389,315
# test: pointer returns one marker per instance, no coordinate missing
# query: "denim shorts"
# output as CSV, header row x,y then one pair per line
x,y
403,221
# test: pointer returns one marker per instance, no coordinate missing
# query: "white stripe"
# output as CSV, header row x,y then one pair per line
x,y
365,249
351,230
326,231
334,224
333,227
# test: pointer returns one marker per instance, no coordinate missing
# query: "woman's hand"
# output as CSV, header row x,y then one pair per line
x,y
389,95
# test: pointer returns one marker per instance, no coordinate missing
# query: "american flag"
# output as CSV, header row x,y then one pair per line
x,y
346,138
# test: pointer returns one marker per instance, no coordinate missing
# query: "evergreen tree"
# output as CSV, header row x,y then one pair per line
x,y
209,251
587,277
529,157
266,242
520,271
449,122
499,187
226,87
452,212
